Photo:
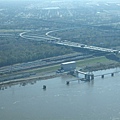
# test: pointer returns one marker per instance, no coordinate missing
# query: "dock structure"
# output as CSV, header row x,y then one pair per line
x,y
111,73
90,76
87,75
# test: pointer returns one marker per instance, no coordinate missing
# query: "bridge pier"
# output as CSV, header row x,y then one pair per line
x,y
89,77
102,76
67,83
92,77
112,74
44,87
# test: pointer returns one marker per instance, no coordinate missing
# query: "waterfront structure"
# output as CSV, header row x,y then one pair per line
x,y
68,66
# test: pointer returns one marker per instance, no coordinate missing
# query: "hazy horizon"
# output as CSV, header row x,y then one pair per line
x,y
61,0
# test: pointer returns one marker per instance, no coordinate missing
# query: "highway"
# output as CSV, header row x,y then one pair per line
x,y
78,45
56,40
54,60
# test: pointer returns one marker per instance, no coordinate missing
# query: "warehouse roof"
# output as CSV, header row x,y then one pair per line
x,y
68,62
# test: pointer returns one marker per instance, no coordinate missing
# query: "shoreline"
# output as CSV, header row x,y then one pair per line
x,y
54,75
29,79
101,67
48,72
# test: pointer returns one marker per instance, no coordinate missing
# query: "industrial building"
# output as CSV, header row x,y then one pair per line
x,y
68,66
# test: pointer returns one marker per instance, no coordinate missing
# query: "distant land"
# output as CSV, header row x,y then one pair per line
x,y
87,22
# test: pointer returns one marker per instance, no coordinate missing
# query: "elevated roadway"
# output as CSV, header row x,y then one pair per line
x,y
55,40
88,47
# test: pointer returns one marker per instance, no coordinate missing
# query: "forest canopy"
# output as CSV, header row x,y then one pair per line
x,y
17,51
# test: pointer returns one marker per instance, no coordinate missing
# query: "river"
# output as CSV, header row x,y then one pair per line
x,y
95,100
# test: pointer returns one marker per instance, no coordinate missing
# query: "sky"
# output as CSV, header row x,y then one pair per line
x,y
59,0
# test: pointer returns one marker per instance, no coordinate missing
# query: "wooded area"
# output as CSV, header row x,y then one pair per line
x,y
82,23
18,50
102,36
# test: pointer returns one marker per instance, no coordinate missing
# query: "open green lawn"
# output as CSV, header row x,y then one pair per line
x,y
11,30
94,61
80,63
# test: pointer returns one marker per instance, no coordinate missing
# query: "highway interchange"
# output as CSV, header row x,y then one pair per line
x,y
54,60
56,40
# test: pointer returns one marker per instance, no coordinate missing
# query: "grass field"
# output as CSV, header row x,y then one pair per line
x,y
11,30
50,70
80,63
94,61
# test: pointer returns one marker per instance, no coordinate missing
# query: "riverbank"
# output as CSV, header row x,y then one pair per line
x,y
91,64
100,67
29,79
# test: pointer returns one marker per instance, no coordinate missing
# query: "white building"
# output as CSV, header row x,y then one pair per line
x,y
68,66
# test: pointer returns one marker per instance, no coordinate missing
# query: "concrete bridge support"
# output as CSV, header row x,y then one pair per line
x,y
89,77
102,76
112,74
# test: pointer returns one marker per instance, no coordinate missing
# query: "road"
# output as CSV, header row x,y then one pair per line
x,y
54,60
58,41
47,38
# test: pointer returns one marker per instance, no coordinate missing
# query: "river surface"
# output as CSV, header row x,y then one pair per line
x,y
95,100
